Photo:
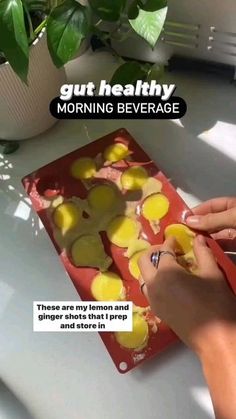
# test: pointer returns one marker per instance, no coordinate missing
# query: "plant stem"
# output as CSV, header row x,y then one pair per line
x,y
40,27
98,23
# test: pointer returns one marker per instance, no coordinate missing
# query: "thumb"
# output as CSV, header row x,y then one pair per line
x,y
213,222
207,265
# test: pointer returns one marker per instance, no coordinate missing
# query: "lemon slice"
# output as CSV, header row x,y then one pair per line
x,y
88,250
134,178
67,216
133,264
136,246
83,168
155,207
121,230
102,198
183,235
138,338
107,286
116,152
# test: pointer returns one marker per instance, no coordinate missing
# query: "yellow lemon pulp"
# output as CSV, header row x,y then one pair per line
x,y
183,235
102,198
155,207
116,152
66,216
83,168
122,230
88,250
136,339
134,178
107,286
133,265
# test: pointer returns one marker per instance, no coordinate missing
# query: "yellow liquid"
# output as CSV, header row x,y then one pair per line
x,y
134,178
155,207
107,286
138,338
102,198
88,251
116,152
83,168
133,265
183,235
67,216
122,230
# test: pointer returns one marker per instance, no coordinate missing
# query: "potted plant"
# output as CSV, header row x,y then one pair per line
x,y
38,37
28,78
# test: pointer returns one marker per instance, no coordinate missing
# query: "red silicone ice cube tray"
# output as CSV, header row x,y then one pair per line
x,y
53,180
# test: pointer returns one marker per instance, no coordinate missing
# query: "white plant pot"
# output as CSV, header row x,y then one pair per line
x,y
24,110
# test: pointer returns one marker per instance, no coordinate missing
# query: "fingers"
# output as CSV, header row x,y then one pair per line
x,y
169,245
213,222
147,270
226,239
145,265
227,234
215,205
207,265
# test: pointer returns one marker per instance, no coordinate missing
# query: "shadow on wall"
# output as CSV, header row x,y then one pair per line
x,y
193,165
209,97
10,405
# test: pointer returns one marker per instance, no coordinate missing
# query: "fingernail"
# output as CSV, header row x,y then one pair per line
x,y
201,239
193,219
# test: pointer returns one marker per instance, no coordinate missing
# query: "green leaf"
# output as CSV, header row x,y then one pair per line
x,y
128,73
149,24
29,25
156,72
10,147
67,26
13,37
109,10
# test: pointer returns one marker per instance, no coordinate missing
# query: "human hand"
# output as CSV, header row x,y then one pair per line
x,y
196,307
216,216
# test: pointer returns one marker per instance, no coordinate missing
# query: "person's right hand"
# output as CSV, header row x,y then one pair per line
x,y
216,216
196,307
201,310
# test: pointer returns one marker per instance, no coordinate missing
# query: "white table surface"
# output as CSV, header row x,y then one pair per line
x,y
70,375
